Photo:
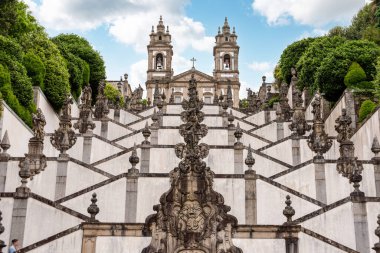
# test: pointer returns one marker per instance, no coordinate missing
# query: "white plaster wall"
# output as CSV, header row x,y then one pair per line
x,y
269,132
141,124
309,244
147,112
243,125
115,131
264,166
118,165
281,151
308,114
373,210
74,109
363,138
290,95
333,152
306,153
209,109
213,121
6,207
44,183
301,180
131,140
19,133
162,160
79,177
171,121
234,112
174,109
215,137
51,117
257,118
255,143
53,221
169,137
126,117
336,224
76,151
271,203
121,244
221,161
111,202
334,114
100,153
260,245
71,243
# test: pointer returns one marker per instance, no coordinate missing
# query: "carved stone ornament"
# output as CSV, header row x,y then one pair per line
x,y
229,94
85,122
64,137
101,105
299,125
191,216
156,95
318,140
39,124
343,127
283,112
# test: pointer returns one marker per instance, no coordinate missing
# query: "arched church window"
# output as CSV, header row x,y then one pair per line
x,y
159,62
226,61
159,38
226,38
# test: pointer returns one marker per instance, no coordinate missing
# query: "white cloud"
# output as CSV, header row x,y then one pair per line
x,y
260,66
314,33
137,73
308,12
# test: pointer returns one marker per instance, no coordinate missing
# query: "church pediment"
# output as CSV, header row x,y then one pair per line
x,y
186,76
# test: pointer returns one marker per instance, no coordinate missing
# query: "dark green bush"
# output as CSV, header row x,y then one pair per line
x,y
112,93
366,108
355,75
35,69
273,100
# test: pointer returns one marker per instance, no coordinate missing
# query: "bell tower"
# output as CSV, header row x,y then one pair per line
x,y
226,60
160,54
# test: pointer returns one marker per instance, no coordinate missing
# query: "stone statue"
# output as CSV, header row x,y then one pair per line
x,y
39,123
101,105
343,127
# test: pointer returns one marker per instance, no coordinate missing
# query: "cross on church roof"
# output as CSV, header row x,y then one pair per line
x,y
193,60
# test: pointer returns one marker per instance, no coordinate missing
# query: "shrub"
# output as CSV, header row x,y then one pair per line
x,y
112,93
273,100
355,75
35,69
366,108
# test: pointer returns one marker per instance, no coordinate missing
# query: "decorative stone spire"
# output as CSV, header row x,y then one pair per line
x,y
163,96
156,94
191,227
376,150
347,163
101,105
5,145
226,26
231,119
146,133
229,94
85,122
289,211
249,161
134,159
93,209
377,233
299,125
64,137
238,134
356,178
216,99
155,119
171,99
2,243
318,141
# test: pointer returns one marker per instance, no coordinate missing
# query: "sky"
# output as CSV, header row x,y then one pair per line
x,y
119,30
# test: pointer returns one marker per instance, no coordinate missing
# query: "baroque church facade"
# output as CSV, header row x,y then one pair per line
x,y
226,67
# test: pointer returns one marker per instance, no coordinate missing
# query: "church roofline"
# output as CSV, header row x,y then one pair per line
x,y
195,71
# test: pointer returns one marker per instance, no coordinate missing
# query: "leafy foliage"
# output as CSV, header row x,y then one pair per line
x,y
366,108
330,75
113,94
35,69
291,55
354,75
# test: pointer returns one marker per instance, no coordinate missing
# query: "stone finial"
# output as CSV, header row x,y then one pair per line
x,y
238,133
146,133
163,96
2,229
216,99
375,146
264,78
5,144
231,119
343,127
356,178
93,209
288,211
39,123
221,97
64,137
249,161
152,31
167,29
134,159
377,233
155,119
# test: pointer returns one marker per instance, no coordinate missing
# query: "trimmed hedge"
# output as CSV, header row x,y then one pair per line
x,y
366,109
355,75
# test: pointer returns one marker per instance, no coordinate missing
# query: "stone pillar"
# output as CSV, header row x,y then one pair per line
x,y
131,197
238,158
225,120
20,206
296,152
320,180
350,107
145,158
359,209
89,244
280,130
250,197
3,173
116,115
87,147
60,184
104,128
291,245
231,137
377,179
376,164
266,116
154,136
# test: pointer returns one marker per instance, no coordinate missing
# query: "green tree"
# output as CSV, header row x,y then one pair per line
x,y
354,75
363,19
81,48
113,94
35,69
312,58
334,67
366,108
291,55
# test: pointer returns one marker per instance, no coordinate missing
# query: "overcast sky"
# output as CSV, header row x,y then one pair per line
x,y
119,29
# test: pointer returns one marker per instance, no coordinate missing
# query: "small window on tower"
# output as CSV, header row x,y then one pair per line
x,y
159,38
226,38
177,99
159,62
226,61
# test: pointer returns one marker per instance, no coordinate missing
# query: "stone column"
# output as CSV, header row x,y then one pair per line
x,y
154,135
60,184
359,209
104,128
266,116
20,206
280,130
3,172
350,107
250,197
238,158
145,158
116,115
131,197
320,180
296,152
231,137
291,245
87,147
376,164
89,244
